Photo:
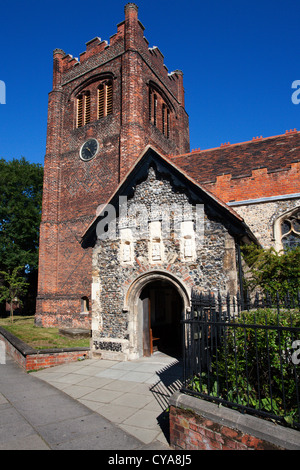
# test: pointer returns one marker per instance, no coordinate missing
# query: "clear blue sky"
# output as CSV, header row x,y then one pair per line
x,y
239,59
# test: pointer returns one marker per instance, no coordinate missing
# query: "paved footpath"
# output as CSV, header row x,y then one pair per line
x,y
92,404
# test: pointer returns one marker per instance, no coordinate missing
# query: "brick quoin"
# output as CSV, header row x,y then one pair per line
x,y
73,189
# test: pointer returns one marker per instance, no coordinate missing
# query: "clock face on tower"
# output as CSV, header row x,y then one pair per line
x,y
89,149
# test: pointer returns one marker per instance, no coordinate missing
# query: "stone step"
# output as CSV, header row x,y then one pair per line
x,y
75,332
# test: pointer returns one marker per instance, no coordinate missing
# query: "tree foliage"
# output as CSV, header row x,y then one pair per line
x,y
13,286
21,185
272,271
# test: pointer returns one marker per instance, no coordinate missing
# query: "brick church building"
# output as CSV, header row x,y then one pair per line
x,y
118,128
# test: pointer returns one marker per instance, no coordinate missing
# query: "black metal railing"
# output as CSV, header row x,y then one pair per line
x,y
245,353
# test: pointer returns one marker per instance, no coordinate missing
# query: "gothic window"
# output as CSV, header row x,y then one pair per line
x,y
165,120
290,230
83,109
155,110
159,112
153,107
150,105
105,99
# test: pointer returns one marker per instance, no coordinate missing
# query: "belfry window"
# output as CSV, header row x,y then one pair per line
x,y
159,112
165,121
153,107
290,230
105,99
83,109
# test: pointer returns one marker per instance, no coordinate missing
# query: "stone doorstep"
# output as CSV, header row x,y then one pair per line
x,y
77,333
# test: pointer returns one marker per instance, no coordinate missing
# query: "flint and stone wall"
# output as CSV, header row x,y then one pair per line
x,y
261,217
209,265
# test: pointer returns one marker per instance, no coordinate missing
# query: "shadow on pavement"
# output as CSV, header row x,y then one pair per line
x,y
170,380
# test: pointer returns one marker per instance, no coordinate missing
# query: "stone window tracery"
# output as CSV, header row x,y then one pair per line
x,y
290,230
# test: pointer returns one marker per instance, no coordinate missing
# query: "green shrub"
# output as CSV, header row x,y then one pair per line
x,y
253,364
271,271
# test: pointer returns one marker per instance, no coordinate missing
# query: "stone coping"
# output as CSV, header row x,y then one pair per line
x,y
276,434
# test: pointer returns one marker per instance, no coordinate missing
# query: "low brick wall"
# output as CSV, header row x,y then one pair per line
x,y
200,425
32,359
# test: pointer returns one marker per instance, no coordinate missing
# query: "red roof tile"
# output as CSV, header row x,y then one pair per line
x,y
240,159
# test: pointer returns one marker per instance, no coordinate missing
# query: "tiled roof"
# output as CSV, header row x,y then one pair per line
x,y
273,153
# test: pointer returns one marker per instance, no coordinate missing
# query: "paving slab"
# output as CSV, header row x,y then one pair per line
x,y
34,415
132,400
93,404
30,442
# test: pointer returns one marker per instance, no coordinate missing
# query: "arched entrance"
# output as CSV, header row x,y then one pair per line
x,y
156,303
162,312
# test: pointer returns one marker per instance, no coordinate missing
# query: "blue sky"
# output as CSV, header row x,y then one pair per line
x,y
239,60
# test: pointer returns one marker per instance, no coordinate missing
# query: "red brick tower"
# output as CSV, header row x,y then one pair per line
x,y
117,99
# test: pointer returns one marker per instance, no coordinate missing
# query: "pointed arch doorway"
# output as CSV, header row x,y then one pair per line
x,y
162,309
156,302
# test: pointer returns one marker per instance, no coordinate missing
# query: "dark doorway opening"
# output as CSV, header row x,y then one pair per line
x,y
162,312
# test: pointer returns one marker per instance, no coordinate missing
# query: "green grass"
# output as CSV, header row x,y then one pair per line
x,y
39,338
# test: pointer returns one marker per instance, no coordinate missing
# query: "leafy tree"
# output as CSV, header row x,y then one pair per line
x,y
272,271
13,287
21,185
